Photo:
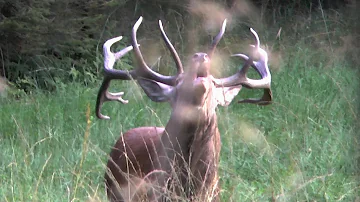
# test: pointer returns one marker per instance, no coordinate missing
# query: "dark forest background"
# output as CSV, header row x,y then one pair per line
x,y
43,42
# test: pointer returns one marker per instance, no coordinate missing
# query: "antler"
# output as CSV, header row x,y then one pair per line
x,y
141,71
173,52
217,39
109,74
240,77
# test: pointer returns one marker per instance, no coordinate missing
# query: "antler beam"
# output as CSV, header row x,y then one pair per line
x,y
143,69
260,66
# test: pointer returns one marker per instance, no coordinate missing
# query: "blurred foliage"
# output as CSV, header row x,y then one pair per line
x,y
47,42
50,40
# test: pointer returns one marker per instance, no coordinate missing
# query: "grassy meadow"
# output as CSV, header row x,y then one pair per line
x,y
303,147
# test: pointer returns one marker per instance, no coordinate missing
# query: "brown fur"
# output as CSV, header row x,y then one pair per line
x,y
180,161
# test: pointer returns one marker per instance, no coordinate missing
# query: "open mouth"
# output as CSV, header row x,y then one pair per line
x,y
203,71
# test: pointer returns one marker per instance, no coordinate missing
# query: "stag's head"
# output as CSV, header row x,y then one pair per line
x,y
195,88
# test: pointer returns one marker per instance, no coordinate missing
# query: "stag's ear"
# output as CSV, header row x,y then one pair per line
x,y
224,95
156,91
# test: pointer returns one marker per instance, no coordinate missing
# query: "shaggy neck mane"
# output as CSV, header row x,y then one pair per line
x,y
204,130
193,128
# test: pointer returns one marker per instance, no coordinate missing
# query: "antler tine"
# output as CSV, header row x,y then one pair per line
x,y
109,74
217,39
260,66
110,59
144,70
266,99
173,52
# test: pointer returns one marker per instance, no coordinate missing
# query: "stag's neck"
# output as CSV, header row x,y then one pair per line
x,y
191,138
189,129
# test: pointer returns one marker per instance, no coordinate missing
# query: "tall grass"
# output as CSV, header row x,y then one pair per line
x,y
303,147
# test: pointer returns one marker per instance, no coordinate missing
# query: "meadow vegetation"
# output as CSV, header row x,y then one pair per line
x,y
303,147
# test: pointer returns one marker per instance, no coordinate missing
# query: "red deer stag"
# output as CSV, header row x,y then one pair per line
x,y
178,162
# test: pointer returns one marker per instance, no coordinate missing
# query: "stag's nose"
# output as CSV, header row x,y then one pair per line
x,y
201,57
